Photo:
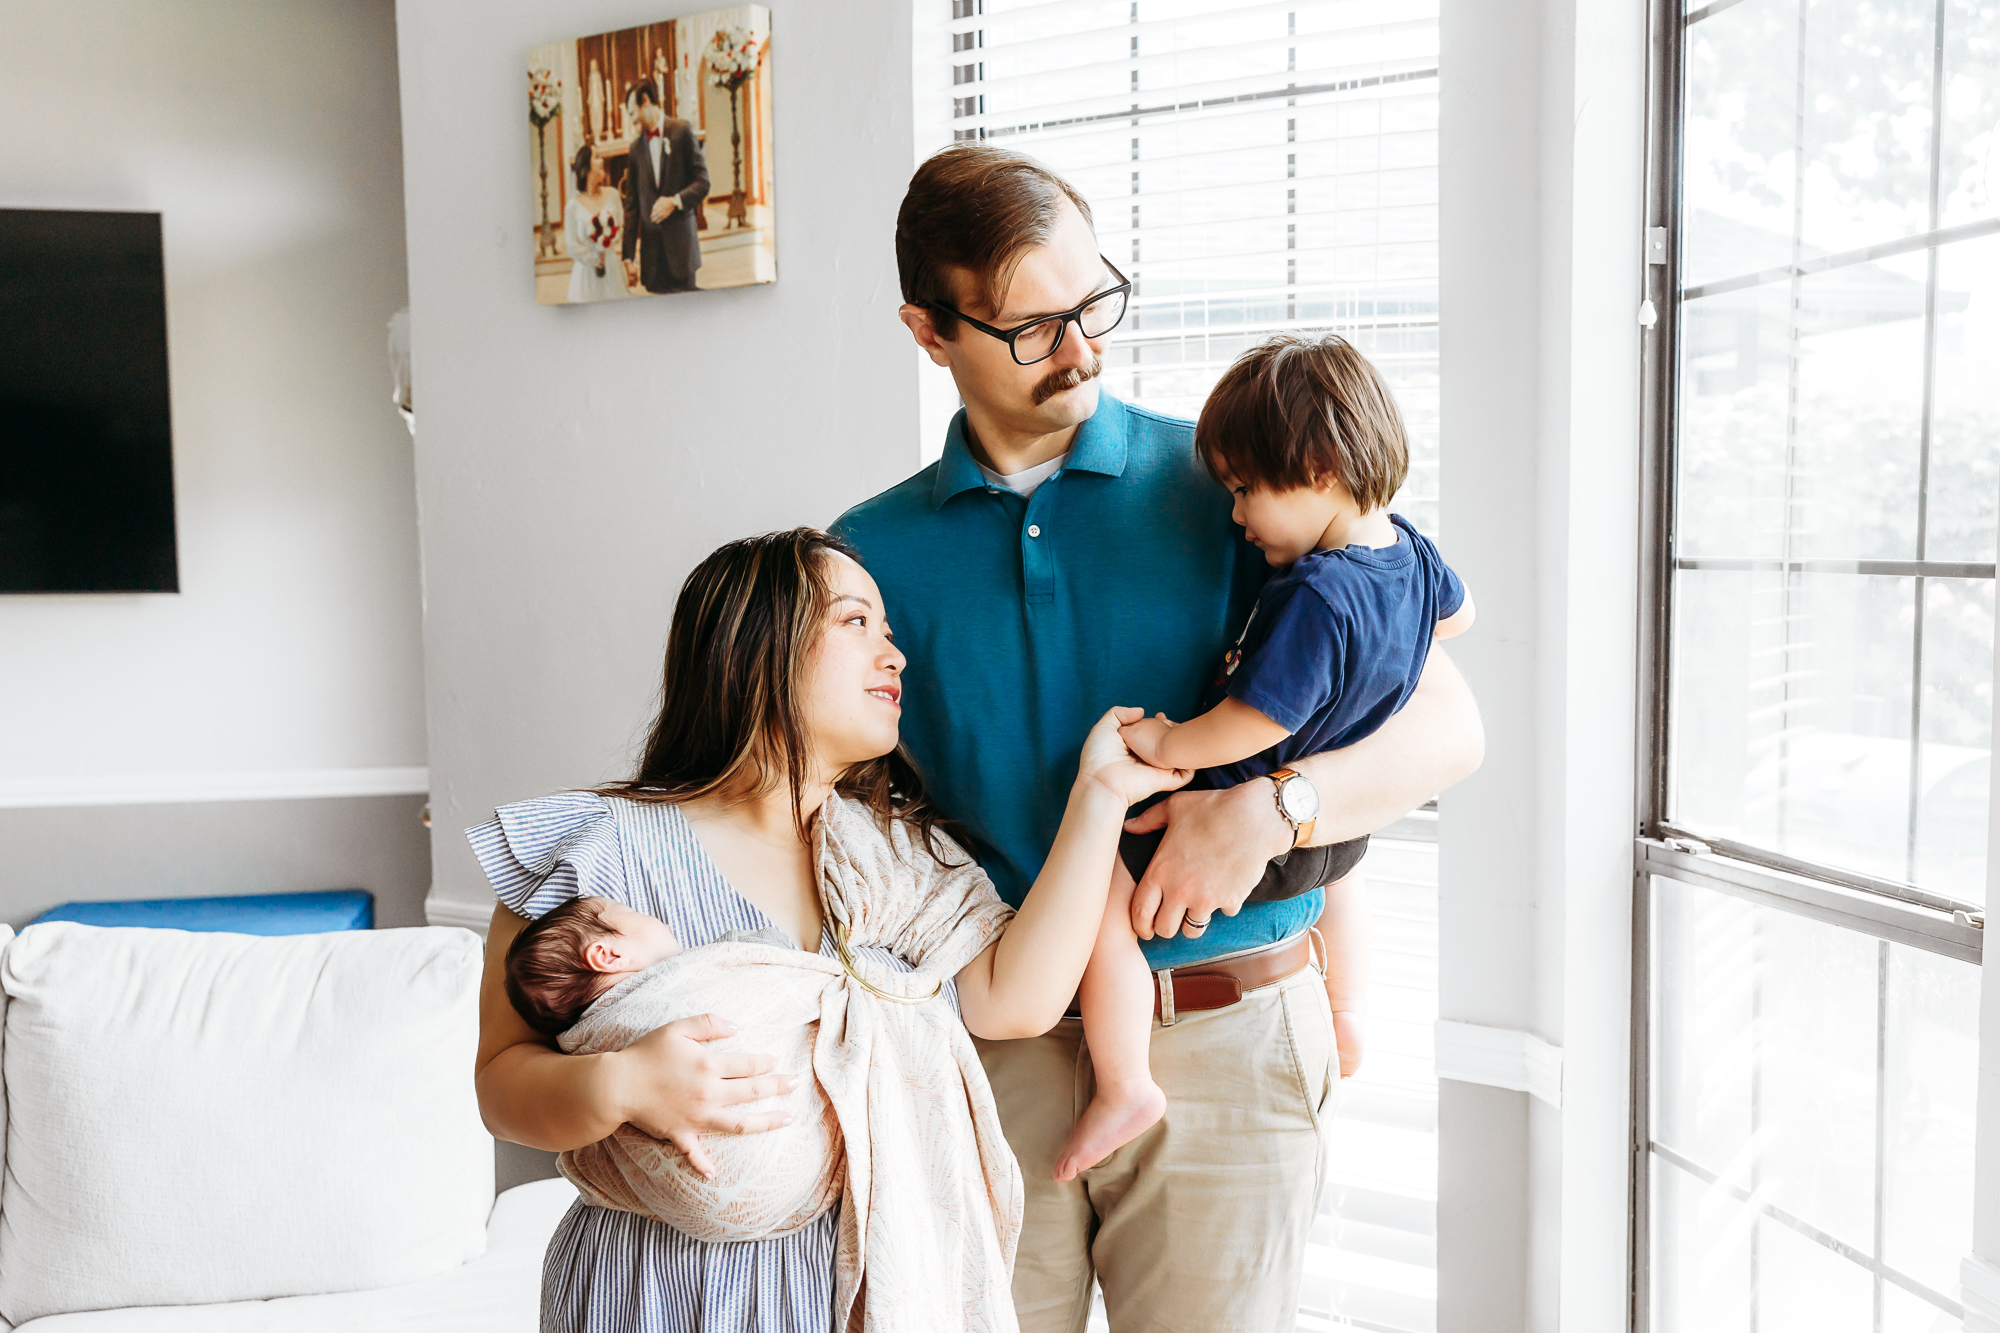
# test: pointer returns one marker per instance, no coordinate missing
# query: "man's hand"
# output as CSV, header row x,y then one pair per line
x,y
631,274
1215,850
1143,738
673,1087
1350,1027
664,206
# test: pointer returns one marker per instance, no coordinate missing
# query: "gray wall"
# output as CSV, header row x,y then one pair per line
x,y
86,853
573,463
266,136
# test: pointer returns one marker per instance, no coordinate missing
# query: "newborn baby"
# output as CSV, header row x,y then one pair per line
x,y
597,975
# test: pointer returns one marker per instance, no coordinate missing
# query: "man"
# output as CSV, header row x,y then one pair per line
x,y
1068,553
666,179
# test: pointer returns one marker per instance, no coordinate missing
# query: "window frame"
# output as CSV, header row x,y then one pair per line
x,y
1885,909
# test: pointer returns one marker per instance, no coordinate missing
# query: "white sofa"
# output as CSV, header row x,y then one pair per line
x,y
230,1133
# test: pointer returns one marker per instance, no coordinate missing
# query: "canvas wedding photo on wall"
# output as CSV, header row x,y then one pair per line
x,y
650,155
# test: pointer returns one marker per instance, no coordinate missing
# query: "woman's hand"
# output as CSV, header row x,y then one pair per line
x,y
1107,761
671,1086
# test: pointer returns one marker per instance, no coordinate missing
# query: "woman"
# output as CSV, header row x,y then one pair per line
x,y
782,692
593,231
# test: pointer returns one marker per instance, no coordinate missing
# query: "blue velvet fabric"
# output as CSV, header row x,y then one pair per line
x,y
250,914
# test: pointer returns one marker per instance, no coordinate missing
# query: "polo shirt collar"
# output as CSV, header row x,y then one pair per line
x,y
1099,447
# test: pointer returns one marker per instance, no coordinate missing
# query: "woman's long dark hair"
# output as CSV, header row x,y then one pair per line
x,y
749,619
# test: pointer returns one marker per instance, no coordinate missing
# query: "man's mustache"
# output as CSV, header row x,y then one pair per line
x,y
1062,381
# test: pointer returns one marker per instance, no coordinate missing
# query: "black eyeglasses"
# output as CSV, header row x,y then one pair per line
x,y
1038,339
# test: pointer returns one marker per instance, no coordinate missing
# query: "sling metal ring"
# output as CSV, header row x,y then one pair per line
x,y
847,962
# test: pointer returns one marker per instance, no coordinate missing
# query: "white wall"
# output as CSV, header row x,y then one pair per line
x,y
1541,255
207,849
267,137
573,463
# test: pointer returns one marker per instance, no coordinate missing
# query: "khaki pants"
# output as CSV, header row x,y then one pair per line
x,y
1198,1225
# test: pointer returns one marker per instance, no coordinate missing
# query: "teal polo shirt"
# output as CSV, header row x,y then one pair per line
x,y
1120,581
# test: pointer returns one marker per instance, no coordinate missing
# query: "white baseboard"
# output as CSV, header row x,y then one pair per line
x,y
450,912
188,788
1500,1058
1979,1288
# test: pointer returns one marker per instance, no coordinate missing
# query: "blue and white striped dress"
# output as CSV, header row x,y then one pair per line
x,y
614,1272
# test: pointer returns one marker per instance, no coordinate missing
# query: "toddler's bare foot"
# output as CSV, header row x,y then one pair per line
x,y
1113,1119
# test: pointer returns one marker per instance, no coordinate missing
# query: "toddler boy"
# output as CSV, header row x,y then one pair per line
x,y
1306,436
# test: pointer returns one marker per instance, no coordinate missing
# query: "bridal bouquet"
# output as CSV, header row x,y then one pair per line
x,y
732,57
544,97
604,236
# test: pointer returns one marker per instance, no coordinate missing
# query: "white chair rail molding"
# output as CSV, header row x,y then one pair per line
x,y
1500,1058
192,788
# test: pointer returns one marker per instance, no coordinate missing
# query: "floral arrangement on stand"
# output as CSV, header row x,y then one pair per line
x,y
544,105
733,56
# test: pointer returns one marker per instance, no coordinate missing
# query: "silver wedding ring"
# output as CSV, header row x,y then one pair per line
x,y
1194,924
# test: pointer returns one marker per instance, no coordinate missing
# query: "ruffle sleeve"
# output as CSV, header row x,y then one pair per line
x,y
539,854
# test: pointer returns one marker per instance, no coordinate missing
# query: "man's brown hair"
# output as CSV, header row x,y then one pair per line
x,y
977,208
1294,409
548,980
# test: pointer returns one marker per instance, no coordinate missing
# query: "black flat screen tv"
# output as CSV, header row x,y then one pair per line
x,y
86,446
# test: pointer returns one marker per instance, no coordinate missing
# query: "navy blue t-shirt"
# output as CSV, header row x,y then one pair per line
x,y
1335,646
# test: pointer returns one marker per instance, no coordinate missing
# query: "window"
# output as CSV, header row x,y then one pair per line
x,y
1256,168
1839,436
1826,425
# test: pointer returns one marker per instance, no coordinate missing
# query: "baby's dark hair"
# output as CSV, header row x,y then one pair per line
x,y
1294,409
547,978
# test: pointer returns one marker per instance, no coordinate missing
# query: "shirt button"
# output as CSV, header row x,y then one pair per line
x,y
1034,529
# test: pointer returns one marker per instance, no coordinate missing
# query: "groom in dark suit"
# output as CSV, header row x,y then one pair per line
x,y
666,180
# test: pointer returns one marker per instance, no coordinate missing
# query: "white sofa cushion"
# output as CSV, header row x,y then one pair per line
x,y
201,1118
499,1292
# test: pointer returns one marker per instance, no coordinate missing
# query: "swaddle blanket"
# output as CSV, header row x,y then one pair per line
x,y
931,1195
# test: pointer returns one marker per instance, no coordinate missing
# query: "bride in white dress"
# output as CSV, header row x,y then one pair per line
x,y
594,232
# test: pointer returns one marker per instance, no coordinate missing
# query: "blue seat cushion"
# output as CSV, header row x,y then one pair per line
x,y
251,914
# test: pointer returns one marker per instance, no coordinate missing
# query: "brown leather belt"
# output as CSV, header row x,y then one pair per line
x,y
1220,982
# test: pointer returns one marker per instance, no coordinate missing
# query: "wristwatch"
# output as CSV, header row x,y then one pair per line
x,y
1298,803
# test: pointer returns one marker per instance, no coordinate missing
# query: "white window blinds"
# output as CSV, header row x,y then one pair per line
x,y
1252,167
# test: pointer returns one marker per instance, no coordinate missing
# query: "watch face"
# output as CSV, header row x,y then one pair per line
x,y
1300,800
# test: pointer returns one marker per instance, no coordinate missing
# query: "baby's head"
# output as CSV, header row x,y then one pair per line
x,y
569,956
1297,425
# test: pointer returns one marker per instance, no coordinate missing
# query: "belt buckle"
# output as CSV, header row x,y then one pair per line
x,y
1165,977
